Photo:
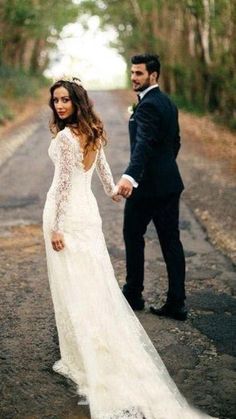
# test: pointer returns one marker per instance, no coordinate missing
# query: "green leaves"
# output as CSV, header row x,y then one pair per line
x,y
194,38
26,26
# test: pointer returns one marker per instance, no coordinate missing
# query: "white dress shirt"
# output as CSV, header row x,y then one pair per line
x,y
141,95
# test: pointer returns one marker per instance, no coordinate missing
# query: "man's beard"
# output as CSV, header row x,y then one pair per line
x,y
144,86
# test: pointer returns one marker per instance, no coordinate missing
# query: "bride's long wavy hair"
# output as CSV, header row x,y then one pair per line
x,y
84,119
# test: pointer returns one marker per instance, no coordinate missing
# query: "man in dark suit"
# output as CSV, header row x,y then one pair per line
x,y
152,185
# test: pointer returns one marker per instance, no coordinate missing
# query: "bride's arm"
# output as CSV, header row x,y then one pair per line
x,y
65,167
104,173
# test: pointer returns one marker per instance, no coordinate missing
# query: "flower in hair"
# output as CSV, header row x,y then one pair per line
x,y
71,79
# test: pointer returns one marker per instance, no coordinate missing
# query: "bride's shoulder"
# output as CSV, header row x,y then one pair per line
x,y
64,136
65,132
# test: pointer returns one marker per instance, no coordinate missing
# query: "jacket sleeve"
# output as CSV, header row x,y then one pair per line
x,y
148,121
177,140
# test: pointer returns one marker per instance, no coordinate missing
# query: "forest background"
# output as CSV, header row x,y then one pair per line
x,y
194,38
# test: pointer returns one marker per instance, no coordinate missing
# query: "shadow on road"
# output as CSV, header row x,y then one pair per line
x,y
216,318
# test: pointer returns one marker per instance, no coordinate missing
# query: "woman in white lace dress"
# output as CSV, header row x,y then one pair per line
x,y
103,347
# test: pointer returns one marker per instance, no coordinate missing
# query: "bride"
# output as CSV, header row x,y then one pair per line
x,y
103,347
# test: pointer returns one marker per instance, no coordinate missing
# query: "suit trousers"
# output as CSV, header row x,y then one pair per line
x,y
164,212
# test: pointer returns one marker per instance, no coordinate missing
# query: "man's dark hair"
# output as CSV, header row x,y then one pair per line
x,y
152,62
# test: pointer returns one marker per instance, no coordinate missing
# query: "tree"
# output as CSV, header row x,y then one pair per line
x,y
194,38
25,27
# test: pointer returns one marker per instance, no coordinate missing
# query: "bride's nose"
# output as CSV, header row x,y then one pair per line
x,y
59,105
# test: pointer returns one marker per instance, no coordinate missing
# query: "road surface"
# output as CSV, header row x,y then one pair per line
x,y
199,354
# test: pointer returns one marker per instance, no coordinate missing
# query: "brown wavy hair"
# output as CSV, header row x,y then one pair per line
x,y
84,119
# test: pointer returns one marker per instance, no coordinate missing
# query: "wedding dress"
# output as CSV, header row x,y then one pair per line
x,y
104,349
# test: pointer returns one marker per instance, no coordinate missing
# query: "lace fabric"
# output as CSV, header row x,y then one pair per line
x,y
66,166
104,173
104,349
69,157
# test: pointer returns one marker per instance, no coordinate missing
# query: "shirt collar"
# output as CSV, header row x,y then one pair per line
x,y
143,93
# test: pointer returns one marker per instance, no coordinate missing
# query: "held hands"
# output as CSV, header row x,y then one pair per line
x,y
123,188
57,241
116,196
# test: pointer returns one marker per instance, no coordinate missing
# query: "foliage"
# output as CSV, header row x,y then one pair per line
x,y
16,86
27,28
194,38
5,112
18,83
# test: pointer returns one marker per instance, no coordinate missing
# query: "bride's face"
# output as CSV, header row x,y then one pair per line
x,y
62,103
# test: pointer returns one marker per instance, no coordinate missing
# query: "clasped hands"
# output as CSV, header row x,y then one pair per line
x,y
123,188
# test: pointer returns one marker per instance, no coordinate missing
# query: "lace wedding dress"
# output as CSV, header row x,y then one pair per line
x,y
104,348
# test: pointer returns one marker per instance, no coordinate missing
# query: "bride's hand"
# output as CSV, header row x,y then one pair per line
x,y
57,240
115,196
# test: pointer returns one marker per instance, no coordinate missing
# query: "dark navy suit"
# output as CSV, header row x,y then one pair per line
x,y
154,143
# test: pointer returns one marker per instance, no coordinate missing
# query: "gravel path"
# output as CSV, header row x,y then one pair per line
x,y
199,354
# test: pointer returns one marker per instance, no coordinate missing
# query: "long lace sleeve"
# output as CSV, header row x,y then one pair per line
x,y
104,173
66,165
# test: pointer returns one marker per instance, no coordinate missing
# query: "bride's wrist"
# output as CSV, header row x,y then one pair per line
x,y
57,231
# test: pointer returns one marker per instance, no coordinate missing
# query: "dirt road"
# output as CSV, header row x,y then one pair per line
x,y
200,353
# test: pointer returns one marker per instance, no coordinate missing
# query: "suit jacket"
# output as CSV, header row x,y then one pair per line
x,y
154,143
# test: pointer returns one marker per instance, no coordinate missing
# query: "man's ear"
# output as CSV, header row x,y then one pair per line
x,y
154,76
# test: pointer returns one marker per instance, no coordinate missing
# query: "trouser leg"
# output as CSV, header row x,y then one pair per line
x,y
166,221
136,219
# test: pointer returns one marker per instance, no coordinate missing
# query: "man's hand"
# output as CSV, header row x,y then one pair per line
x,y
57,241
125,187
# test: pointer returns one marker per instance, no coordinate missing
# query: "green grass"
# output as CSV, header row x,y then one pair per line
x,y
223,120
17,85
6,113
184,104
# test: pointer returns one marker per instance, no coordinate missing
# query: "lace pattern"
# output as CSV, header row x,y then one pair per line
x,y
68,157
66,165
104,172
132,413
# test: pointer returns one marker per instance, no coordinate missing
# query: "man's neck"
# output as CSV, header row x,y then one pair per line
x,y
143,93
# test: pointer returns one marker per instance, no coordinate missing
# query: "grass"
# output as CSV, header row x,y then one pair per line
x,y
199,110
17,86
184,104
6,114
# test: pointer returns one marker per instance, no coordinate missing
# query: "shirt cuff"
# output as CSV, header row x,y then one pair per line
x,y
134,183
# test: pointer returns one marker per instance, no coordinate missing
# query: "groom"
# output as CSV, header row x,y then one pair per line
x,y
152,184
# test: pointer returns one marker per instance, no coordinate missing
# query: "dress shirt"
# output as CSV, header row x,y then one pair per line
x,y
128,177
143,93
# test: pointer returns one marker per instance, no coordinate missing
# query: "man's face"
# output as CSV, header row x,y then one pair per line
x,y
140,77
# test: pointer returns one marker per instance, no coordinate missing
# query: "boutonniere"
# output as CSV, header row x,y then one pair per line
x,y
132,108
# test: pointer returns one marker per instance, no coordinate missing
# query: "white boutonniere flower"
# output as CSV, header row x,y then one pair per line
x,y
132,108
